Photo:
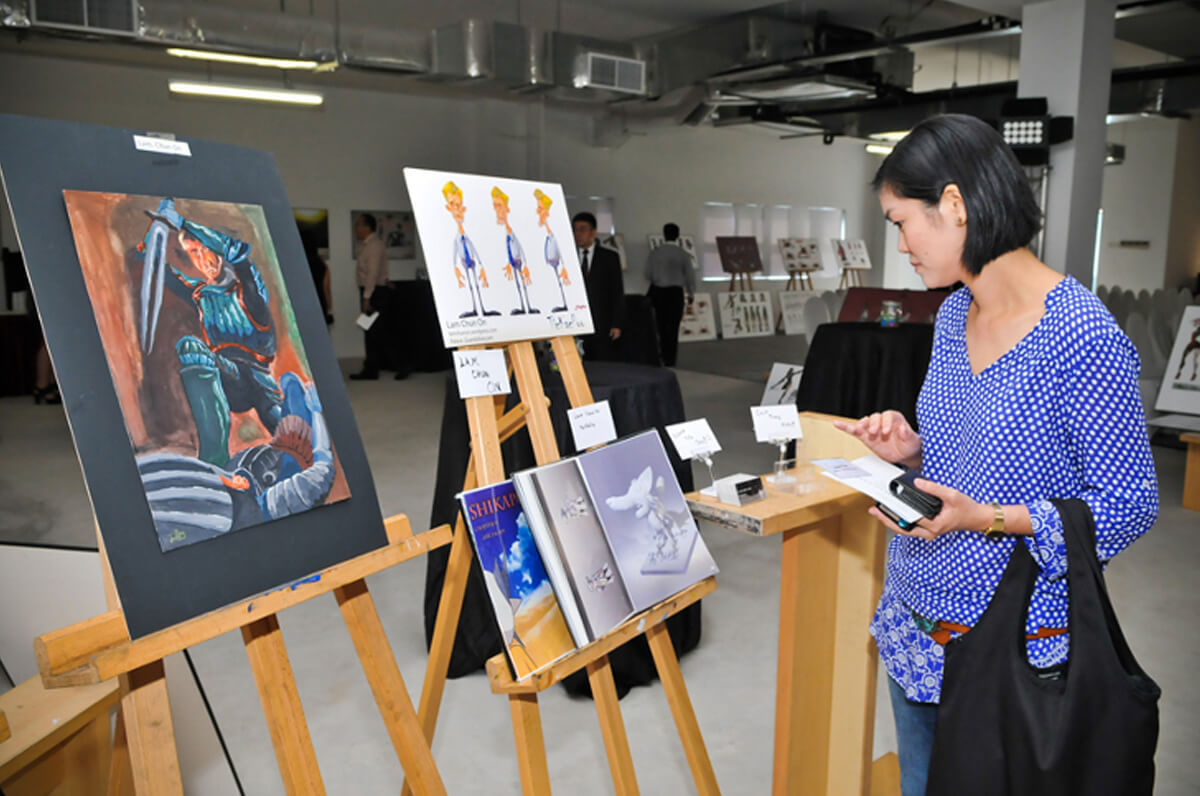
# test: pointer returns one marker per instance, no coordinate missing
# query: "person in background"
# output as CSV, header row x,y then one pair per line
x,y
670,274
1031,394
605,289
371,272
320,275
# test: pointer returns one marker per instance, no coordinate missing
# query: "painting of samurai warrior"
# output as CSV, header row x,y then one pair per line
x,y
201,341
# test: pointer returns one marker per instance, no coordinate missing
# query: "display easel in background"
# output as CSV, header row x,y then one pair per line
x,y
145,760
490,425
798,270
739,258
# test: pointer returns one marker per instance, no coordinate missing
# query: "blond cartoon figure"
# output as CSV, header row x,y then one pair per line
x,y
468,268
552,254
515,271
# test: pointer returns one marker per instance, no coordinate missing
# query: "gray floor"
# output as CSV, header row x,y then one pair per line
x,y
730,676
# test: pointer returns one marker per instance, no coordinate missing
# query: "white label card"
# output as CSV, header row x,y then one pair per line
x,y
163,146
365,321
481,373
592,425
775,423
693,439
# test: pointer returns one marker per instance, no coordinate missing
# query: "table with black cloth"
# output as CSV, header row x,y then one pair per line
x,y
20,337
641,398
415,337
854,369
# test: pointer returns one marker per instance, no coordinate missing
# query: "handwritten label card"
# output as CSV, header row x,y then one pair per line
x,y
481,373
162,146
693,439
592,425
775,423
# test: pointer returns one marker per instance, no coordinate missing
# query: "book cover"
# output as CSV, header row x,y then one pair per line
x,y
582,547
654,539
527,611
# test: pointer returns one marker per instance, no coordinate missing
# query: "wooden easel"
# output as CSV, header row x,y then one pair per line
x,y
740,280
145,760
798,280
490,425
851,277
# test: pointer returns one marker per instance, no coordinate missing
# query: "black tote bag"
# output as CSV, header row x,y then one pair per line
x,y
1002,728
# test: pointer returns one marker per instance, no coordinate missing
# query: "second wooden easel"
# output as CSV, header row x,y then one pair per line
x,y
490,425
740,280
145,760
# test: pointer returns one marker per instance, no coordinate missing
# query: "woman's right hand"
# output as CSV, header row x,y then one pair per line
x,y
887,434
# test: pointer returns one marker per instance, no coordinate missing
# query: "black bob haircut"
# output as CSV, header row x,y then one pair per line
x,y
369,220
670,231
586,218
1002,214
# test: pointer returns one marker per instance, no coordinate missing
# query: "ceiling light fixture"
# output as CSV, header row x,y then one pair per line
x,y
891,137
247,60
879,149
228,91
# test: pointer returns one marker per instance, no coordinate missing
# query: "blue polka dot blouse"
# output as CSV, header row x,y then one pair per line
x,y
1057,416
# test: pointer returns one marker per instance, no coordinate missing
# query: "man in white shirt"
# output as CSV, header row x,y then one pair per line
x,y
669,272
371,273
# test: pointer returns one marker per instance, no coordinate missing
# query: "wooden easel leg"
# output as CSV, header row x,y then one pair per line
x,y
281,706
667,663
387,685
120,774
612,727
807,599
531,745
149,731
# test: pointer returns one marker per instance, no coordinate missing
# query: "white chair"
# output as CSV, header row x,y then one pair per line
x,y
815,313
1119,305
1102,293
1144,303
833,301
1153,361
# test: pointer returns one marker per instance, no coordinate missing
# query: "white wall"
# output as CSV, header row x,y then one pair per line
x,y
1137,204
349,155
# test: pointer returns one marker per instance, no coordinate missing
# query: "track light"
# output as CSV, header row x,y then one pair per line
x,y
247,60
238,92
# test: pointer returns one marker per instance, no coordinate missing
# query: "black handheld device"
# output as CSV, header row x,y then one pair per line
x,y
902,486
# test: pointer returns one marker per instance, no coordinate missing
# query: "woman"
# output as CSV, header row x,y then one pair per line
x,y
1031,394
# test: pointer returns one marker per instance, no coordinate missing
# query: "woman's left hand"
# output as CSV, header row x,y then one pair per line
x,y
958,513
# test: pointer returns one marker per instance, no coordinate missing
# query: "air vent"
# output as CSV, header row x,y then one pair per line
x,y
610,72
98,16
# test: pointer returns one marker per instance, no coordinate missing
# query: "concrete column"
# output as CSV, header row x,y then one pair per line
x,y
1066,57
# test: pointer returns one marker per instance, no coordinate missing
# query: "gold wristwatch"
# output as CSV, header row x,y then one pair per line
x,y
996,529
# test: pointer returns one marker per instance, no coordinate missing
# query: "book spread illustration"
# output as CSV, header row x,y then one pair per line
x,y
565,524
531,621
651,532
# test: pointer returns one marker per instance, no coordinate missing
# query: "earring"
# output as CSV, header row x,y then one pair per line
x,y
962,222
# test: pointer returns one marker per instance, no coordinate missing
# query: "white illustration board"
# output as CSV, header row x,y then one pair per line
x,y
1180,391
800,254
791,303
746,313
851,255
501,257
699,322
782,385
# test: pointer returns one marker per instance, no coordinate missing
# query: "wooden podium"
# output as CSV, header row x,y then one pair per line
x,y
831,576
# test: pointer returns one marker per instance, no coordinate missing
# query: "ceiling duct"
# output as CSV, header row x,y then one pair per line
x,y
595,69
107,17
398,50
475,49
206,25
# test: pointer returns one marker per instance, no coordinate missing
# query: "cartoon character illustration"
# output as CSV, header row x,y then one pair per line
x,y
1192,348
515,270
644,496
227,367
468,268
600,579
550,249
191,499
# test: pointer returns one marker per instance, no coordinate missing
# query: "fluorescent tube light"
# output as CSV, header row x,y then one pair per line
x,y
226,91
879,149
237,58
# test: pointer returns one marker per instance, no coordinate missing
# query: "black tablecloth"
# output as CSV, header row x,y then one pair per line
x,y
20,337
639,333
415,336
641,397
853,369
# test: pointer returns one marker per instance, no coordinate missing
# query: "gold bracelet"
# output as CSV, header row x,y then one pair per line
x,y
996,529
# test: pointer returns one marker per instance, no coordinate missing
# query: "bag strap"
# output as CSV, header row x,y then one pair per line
x,y
1091,620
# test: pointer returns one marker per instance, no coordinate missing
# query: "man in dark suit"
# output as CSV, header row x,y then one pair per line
x,y
605,289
